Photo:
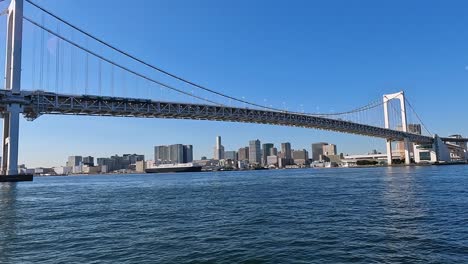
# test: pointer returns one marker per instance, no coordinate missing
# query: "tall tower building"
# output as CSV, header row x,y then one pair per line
x,y
74,161
286,150
266,150
243,154
188,153
317,150
255,153
329,149
219,149
176,153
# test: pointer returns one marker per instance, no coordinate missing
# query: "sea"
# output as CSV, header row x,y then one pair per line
x,y
340,215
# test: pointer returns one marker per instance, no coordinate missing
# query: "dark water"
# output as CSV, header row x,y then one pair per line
x,y
379,215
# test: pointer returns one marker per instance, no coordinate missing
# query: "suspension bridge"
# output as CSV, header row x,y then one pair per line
x,y
53,67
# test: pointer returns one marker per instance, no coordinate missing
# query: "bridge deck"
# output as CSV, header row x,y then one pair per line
x,y
36,103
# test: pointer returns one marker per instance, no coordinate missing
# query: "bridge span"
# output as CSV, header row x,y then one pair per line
x,y
37,103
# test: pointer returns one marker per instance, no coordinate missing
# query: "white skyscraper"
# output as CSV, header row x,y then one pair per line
x,y
219,149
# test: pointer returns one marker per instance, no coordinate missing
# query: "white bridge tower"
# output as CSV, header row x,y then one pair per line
x,y
14,40
401,97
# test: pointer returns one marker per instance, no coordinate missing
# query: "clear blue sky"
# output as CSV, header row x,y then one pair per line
x,y
324,55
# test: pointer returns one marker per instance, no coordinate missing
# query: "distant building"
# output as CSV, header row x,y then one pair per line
x,y
317,150
218,149
272,161
301,157
161,154
286,150
301,154
91,169
255,153
273,152
266,150
117,162
188,153
283,162
176,153
243,154
140,166
329,149
62,170
230,155
74,161
88,161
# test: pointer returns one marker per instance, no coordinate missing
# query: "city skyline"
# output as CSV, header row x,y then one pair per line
x,y
407,67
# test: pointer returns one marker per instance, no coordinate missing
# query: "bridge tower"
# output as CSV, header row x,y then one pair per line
x,y
401,97
14,40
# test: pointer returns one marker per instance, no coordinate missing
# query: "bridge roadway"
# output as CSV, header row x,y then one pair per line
x,y
37,103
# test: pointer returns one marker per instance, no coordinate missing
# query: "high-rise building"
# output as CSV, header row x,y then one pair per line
x,y
243,154
176,153
74,161
286,150
188,153
231,155
89,161
161,154
329,149
218,149
273,152
301,154
317,150
266,150
117,162
255,153
301,157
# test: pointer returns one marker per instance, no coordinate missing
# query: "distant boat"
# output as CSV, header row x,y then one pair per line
x,y
182,167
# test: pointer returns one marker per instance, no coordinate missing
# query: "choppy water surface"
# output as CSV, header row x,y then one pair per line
x,y
376,215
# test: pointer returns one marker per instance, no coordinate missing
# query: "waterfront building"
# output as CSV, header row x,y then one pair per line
x,y
91,169
218,149
230,155
301,157
286,150
117,162
88,161
188,153
266,150
140,166
301,154
329,149
243,154
283,162
176,153
273,152
317,150
255,153
74,161
272,160
161,154
62,170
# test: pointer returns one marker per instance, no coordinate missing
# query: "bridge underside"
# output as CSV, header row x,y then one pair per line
x,y
37,103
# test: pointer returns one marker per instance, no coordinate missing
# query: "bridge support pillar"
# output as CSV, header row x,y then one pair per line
x,y
11,140
406,144
14,43
389,152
